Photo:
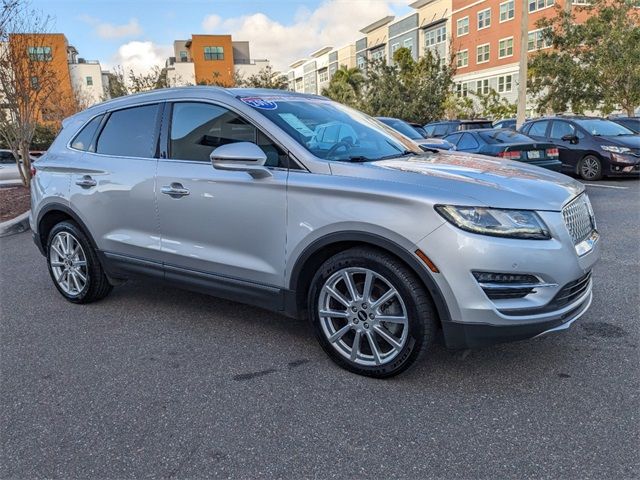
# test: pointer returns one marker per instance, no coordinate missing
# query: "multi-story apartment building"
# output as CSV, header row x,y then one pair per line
x,y
79,83
311,75
205,59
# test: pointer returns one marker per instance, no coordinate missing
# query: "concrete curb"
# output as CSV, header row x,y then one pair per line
x,y
18,224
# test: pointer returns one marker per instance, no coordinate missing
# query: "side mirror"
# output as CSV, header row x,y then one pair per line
x,y
241,157
570,138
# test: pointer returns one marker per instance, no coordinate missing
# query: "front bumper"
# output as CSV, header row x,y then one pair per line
x,y
629,167
475,319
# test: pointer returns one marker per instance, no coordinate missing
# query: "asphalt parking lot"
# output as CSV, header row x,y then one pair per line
x,y
156,382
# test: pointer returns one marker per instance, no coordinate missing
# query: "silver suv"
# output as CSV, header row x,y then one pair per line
x,y
303,206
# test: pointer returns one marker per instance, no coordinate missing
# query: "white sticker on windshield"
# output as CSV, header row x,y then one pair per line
x,y
296,123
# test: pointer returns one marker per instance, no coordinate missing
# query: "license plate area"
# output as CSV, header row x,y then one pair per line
x,y
535,154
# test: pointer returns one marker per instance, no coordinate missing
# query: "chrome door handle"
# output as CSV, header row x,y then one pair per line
x,y
86,182
175,190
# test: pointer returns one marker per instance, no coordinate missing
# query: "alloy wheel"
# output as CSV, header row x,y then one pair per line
x,y
68,263
590,168
363,316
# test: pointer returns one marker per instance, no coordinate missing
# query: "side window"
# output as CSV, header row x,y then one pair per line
x,y
442,129
83,139
538,129
467,142
453,138
559,129
429,130
130,133
197,129
7,158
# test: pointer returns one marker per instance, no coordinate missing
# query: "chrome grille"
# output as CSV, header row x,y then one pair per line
x,y
578,217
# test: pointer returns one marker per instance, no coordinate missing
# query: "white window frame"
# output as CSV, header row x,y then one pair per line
x,y
484,86
499,49
458,26
504,83
441,31
535,43
488,53
410,46
394,47
546,4
465,51
512,10
462,89
486,25
323,73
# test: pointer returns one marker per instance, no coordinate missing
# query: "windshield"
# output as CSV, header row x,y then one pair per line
x,y
600,127
504,136
331,131
404,128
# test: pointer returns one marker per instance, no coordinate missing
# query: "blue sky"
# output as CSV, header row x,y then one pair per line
x,y
138,33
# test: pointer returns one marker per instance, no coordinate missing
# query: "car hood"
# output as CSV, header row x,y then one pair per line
x,y
630,141
473,178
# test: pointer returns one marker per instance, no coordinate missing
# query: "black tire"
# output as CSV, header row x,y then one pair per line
x,y
422,319
97,285
590,168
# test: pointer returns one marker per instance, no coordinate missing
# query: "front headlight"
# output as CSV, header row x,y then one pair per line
x,y
496,222
615,149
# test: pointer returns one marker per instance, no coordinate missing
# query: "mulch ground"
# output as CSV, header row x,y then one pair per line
x,y
14,200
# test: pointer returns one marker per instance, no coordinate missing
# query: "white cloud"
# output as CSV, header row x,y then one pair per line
x,y
140,57
334,23
109,31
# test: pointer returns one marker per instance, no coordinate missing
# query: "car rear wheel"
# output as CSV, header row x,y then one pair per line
x,y
590,168
370,313
74,266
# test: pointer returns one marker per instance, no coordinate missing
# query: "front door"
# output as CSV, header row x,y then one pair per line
x,y
567,138
216,224
113,182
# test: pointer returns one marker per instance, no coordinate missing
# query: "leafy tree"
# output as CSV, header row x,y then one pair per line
x,y
494,106
455,107
345,86
411,89
594,65
266,78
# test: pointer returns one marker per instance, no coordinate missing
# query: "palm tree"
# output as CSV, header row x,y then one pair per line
x,y
350,76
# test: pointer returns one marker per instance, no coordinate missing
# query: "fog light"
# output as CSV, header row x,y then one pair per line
x,y
490,277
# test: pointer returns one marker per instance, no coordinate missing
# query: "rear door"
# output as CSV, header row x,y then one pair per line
x,y
571,151
113,181
538,130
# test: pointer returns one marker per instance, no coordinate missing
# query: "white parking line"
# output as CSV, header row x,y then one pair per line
x,y
605,186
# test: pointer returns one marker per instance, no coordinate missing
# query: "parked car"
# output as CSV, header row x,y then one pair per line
x,y
408,131
505,143
509,123
419,128
440,129
377,243
589,146
8,167
632,123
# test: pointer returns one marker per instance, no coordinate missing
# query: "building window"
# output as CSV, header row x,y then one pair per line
x,y
408,43
505,83
377,54
394,47
435,36
35,83
482,86
361,62
484,19
507,11
535,5
183,56
505,47
40,54
463,26
89,81
537,40
581,2
482,53
462,89
463,58
323,75
213,53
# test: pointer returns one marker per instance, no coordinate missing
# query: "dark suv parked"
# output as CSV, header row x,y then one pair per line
x,y
589,146
440,129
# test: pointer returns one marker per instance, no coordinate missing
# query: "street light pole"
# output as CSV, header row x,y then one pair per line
x,y
522,71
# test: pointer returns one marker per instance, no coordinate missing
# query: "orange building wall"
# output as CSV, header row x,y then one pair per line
x,y
206,70
496,32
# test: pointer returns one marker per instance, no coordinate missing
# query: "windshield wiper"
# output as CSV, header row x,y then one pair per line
x,y
357,159
398,155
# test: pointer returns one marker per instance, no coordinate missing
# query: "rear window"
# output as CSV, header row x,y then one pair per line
x,y
474,125
7,157
503,136
443,129
130,133
83,139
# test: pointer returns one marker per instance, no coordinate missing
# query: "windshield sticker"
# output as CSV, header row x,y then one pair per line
x,y
261,103
297,124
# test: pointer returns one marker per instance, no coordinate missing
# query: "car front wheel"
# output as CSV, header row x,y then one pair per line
x,y
74,266
370,313
590,168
